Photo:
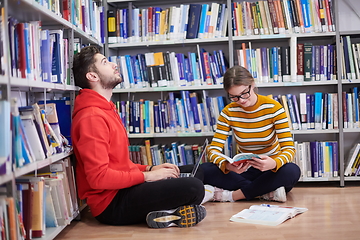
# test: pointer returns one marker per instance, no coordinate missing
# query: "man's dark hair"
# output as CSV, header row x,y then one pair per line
x,y
84,63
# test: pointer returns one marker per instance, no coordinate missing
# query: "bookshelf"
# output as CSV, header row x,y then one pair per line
x,y
346,19
30,89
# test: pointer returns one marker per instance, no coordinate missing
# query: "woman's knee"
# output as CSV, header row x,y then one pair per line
x,y
209,168
291,175
293,170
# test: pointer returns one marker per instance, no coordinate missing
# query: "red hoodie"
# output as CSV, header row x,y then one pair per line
x,y
101,145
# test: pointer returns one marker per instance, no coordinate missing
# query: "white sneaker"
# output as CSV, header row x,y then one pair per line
x,y
279,195
216,194
209,194
222,195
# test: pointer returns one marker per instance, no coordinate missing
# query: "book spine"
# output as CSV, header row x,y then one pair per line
x,y
181,118
313,64
355,94
303,111
157,23
318,97
322,15
300,15
336,111
322,62
5,134
312,111
206,68
330,112
174,109
300,62
314,159
46,60
156,118
325,109
295,15
345,110
307,61
287,17
295,125
160,117
317,62
188,72
194,20
285,64
165,116
350,57
281,17
273,16
111,23
335,158
125,13
297,111
306,15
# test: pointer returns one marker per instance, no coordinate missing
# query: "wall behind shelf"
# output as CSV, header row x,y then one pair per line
x,y
349,15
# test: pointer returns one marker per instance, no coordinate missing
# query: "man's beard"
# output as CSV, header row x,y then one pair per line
x,y
109,84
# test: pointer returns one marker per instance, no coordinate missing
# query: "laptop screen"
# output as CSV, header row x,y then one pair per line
x,y
201,156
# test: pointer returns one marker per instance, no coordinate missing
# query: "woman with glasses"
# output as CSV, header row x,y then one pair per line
x,y
259,125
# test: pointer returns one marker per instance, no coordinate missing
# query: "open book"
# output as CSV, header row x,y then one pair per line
x,y
238,158
266,214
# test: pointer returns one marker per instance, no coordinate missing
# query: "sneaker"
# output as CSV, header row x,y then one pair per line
x,y
279,195
184,216
209,194
221,195
215,194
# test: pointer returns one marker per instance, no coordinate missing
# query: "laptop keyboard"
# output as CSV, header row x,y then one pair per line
x,y
185,175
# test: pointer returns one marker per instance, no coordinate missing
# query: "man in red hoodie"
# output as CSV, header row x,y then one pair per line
x,y
118,191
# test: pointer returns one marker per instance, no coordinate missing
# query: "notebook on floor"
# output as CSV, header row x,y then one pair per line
x,y
202,156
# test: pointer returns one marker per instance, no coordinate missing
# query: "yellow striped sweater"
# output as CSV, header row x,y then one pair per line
x,y
261,129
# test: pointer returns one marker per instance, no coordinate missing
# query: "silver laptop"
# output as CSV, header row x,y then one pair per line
x,y
202,156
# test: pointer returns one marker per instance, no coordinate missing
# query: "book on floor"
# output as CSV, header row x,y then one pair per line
x,y
266,214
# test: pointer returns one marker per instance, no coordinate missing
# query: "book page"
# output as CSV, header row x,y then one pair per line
x,y
241,157
261,216
223,155
266,214
292,210
244,156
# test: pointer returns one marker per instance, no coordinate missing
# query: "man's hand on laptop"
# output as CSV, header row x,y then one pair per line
x,y
163,171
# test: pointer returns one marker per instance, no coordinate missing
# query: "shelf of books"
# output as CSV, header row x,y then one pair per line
x,y
51,16
169,135
31,167
96,38
167,42
36,171
38,85
220,86
293,60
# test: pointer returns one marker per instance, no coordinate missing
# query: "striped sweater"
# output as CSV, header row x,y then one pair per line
x,y
261,129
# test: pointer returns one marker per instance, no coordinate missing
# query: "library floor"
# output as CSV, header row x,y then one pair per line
x,y
334,213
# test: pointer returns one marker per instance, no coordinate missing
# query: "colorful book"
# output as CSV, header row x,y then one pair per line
x,y
314,154
5,136
351,157
318,109
307,61
193,103
194,21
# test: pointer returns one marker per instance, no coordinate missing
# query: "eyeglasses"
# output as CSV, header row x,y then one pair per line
x,y
244,95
